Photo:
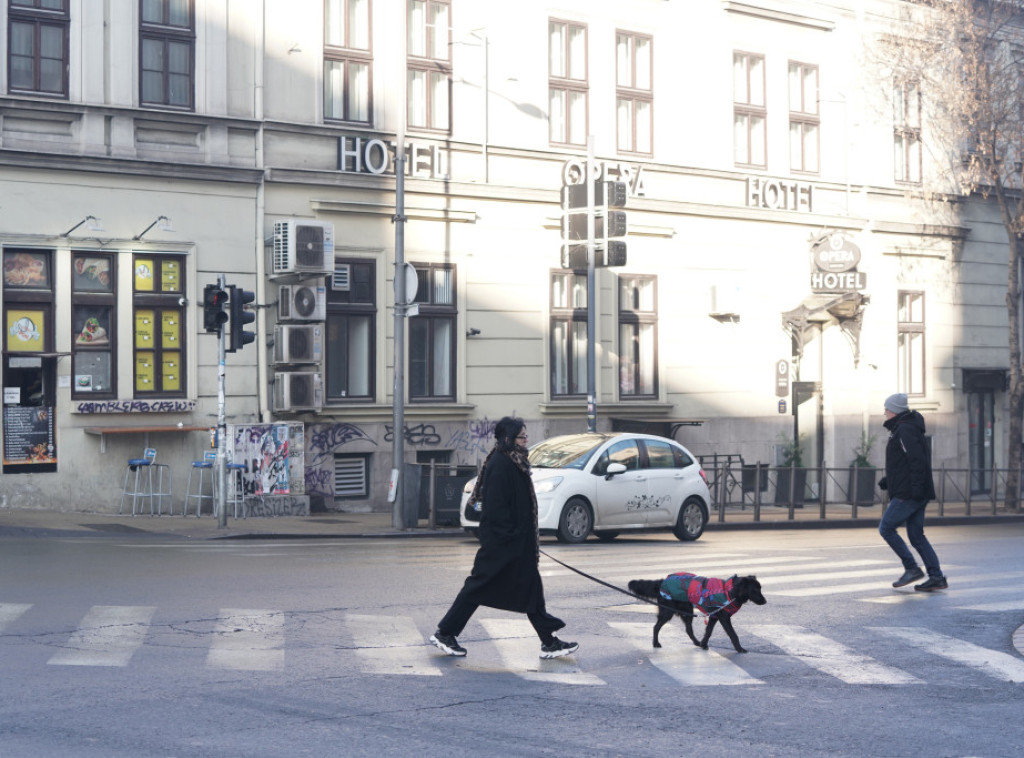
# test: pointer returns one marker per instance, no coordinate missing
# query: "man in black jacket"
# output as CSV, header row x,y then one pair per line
x,y
908,480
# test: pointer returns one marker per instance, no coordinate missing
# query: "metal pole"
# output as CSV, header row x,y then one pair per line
x,y
591,316
221,479
398,391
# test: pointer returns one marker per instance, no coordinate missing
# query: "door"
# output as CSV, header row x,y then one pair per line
x,y
622,501
981,425
664,483
807,409
29,397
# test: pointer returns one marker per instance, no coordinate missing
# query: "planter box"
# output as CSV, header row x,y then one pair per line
x,y
861,488
798,477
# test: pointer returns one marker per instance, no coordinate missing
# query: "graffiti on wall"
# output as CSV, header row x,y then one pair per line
x,y
473,442
136,406
421,434
324,439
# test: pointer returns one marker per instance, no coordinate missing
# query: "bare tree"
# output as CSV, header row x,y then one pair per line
x,y
967,58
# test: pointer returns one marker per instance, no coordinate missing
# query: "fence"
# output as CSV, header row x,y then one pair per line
x,y
747,488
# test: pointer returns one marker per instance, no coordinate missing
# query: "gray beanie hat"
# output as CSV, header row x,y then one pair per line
x,y
897,403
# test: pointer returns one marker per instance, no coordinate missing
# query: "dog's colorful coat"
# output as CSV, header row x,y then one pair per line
x,y
707,593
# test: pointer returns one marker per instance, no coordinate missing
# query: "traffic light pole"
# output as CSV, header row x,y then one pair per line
x,y
221,469
591,287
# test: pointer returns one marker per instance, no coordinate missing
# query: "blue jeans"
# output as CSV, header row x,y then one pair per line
x,y
911,513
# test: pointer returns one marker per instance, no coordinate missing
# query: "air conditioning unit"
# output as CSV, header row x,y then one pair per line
x,y
302,302
303,247
298,391
298,344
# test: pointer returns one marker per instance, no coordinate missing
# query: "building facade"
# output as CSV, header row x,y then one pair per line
x,y
783,274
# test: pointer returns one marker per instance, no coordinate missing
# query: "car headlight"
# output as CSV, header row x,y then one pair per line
x,y
547,485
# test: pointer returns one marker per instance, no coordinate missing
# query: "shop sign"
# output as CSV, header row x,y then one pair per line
x,y
376,157
779,194
574,171
835,257
782,378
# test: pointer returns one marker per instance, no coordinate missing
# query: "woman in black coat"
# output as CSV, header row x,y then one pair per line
x,y
505,573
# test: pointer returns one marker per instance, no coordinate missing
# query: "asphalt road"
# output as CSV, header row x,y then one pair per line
x,y
150,646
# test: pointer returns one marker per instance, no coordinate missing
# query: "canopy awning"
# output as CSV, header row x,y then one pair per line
x,y
845,309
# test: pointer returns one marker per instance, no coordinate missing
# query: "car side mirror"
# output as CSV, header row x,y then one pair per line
x,y
613,469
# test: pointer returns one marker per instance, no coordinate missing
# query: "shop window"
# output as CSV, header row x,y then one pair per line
x,y
910,345
568,89
352,332
906,107
93,325
167,53
429,68
749,110
568,334
634,96
347,61
158,333
638,337
432,335
37,53
804,118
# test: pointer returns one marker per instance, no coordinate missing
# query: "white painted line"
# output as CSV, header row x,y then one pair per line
x,y
1006,605
830,656
519,649
681,659
108,636
248,640
389,645
649,569
1002,666
9,612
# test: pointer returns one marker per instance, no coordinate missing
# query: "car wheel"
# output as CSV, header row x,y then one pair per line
x,y
606,536
692,520
575,523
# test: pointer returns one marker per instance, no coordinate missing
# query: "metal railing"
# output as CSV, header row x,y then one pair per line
x,y
739,488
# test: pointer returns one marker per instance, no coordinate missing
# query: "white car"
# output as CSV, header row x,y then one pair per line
x,y
611,483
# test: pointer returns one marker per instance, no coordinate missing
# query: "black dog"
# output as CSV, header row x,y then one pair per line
x,y
677,594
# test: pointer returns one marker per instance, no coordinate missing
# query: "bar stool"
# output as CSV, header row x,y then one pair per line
x,y
145,489
236,488
198,496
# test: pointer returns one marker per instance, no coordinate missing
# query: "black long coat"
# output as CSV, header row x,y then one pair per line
x,y
908,469
505,573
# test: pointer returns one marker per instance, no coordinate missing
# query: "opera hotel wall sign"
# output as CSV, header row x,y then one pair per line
x,y
834,261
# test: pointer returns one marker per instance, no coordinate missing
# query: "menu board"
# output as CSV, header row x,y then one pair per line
x,y
28,435
170,276
145,375
144,329
171,329
172,372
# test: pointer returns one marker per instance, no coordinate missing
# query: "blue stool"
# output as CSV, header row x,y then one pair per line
x,y
198,496
145,489
236,488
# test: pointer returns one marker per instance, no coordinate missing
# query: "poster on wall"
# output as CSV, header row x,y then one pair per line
x,y
28,436
264,450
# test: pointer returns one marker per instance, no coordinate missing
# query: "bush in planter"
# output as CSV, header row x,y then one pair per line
x,y
792,467
861,487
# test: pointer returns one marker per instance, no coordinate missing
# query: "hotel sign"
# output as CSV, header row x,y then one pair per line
x,y
835,258
779,194
376,156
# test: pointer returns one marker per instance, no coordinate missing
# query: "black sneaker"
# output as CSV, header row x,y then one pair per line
x,y
935,583
448,644
910,575
556,648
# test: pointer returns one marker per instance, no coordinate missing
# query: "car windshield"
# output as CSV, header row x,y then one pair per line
x,y
570,451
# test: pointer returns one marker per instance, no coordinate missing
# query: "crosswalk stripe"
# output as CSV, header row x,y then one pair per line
x,y
248,640
681,659
652,569
389,645
830,656
1005,605
519,649
9,612
108,635
992,662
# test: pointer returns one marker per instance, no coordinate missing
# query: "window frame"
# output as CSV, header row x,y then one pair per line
x,y
803,120
167,33
36,298
338,309
568,317
907,148
348,54
39,17
432,313
430,66
567,84
160,301
94,299
908,331
748,109
636,318
634,94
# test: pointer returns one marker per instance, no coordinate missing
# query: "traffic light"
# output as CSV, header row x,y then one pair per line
x,y
613,227
214,300
239,318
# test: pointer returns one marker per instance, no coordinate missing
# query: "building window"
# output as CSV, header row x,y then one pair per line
x,y
749,110
910,343
347,61
804,119
638,336
167,53
429,65
568,334
906,116
634,96
351,479
93,325
28,300
567,83
432,335
159,336
37,50
351,331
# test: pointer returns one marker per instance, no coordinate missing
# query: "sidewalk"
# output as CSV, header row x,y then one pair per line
x,y
335,525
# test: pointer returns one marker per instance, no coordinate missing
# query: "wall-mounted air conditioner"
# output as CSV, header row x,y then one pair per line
x,y
303,247
302,302
298,391
298,344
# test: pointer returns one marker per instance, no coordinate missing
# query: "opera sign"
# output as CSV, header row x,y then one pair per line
x,y
835,259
